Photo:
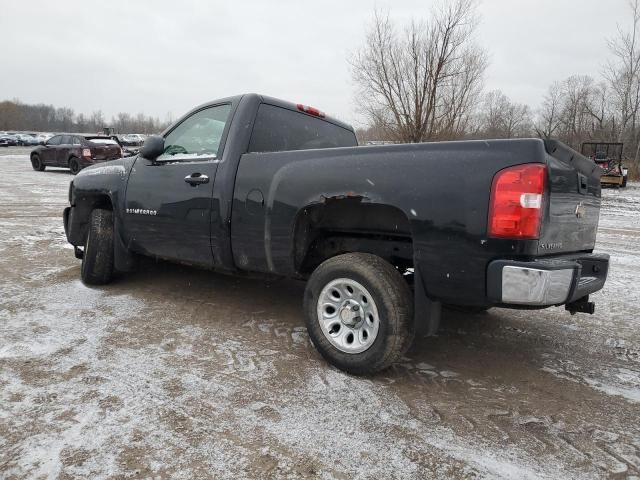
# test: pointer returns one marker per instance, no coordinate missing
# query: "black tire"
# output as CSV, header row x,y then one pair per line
x,y
97,260
74,165
392,297
36,163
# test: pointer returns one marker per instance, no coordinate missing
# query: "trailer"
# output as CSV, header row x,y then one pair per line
x,y
608,156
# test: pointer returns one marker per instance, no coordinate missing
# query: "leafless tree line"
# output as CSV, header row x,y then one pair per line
x,y
15,115
425,83
421,83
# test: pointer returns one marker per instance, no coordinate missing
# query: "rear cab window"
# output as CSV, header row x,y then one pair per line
x,y
279,129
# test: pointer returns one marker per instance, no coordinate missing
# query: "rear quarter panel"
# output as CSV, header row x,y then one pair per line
x,y
442,188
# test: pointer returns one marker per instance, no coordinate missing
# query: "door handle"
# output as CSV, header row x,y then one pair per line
x,y
196,179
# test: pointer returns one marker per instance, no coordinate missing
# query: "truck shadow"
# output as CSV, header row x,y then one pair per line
x,y
233,300
476,365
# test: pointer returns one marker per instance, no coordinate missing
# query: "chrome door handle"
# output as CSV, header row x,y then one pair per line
x,y
196,179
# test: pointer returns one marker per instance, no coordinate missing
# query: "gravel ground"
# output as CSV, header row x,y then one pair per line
x,y
173,372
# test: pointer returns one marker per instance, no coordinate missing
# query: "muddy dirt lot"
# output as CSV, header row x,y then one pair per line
x,y
173,372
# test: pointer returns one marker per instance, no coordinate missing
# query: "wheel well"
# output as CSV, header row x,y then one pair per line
x,y
79,221
102,201
349,225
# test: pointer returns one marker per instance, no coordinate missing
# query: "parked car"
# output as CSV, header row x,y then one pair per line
x,y
10,139
25,139
43,137
74,152
130,140
382,235
136,138
4,142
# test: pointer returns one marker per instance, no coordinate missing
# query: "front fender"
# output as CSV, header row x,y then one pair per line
x,y
99,186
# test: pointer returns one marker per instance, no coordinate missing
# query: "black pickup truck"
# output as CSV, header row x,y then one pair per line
x,y
383,235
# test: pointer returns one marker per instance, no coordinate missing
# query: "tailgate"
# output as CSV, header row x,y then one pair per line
x,y
105,152
571,219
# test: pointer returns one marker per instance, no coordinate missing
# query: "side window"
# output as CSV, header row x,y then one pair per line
x,y
279,129
66,140
76,141
54,140
197,136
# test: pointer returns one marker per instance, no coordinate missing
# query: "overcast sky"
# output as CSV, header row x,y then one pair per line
x,y
169,56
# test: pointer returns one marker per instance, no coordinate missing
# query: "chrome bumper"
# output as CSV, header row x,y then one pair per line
x,y
546,282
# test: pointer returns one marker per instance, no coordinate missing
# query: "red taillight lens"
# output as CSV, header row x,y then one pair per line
x,y
86,152
515,210
310,110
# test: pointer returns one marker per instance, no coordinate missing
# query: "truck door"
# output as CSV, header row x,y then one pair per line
x,y
168,200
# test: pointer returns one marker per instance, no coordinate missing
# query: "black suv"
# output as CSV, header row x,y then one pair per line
x,y
74,152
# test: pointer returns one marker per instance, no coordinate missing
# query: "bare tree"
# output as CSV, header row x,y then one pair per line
x,y
420,84
96,121
576,120
549,114
502,118
623,76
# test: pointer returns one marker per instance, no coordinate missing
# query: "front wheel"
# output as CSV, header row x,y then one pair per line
x,y
359,312
97,260
36,163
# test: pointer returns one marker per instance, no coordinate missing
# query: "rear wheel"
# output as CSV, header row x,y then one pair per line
x,y
36,163
359,312
74,165
97,260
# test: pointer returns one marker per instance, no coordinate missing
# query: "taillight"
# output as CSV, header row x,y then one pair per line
x,y
515,210
310,110
86,152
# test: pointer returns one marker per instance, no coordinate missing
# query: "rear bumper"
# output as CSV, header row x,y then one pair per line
x,y
547,281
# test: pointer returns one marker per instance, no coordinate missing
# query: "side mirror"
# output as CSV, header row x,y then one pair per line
x,y
153,147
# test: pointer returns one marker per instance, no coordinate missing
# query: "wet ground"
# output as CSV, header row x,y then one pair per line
x,y
173,372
